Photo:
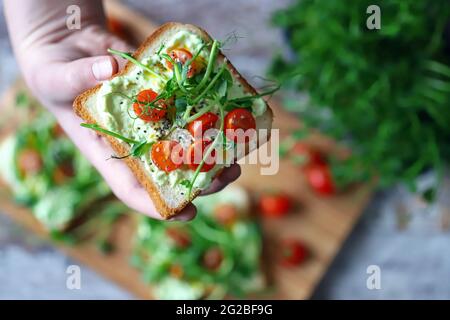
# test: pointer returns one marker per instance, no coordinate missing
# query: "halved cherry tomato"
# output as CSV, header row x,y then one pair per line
x,y
180,237
226,214
319,178
29,162
58,131
306,154
176,271
167,155
275,205
238,119
201,124
146,112
182,55
63,172
293,252
212,258
195,155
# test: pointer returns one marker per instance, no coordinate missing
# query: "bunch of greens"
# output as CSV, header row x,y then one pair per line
x,y
383,92
179,272
208,88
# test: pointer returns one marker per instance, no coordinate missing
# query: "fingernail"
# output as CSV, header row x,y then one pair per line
x,y
102,69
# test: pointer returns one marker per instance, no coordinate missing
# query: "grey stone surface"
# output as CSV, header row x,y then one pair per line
x,y
414,262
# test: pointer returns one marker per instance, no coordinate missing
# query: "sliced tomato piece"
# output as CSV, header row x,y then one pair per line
x,y
212,258
195,155
306,154
226,214
176,271
63,172
202,124
275,205
293,252
58,131
167,155
180,237
319,178
146,112
29,162
239,119
182,55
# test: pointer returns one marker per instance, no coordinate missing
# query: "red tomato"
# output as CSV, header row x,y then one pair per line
x,y
293,252
225,214
275,205
180,237
63,172
307,154
195,155
167,155
320,179
146,112
202,124
116,27
238,119
29,162
182,55
212,258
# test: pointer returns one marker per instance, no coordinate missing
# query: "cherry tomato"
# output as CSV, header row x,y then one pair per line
x,y
293,252
226,214
167,155
29,162
307,154
212,258
238,119
182,55
146,112
320,179
202,124
180,237
116,27
195,155
275,205
63,172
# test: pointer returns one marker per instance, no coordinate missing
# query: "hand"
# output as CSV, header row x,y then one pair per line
x,y
58,64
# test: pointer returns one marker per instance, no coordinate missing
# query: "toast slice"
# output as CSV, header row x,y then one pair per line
x,y
168,199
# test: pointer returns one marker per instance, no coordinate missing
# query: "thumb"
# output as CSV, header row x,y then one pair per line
x,y
85,73
64,81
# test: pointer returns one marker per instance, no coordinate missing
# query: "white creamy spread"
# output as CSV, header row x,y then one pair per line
x,y
116,111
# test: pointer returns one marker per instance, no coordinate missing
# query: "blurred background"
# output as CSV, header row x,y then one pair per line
x,y
380,93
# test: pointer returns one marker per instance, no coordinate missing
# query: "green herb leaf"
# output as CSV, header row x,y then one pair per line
x,y
22,99
185,183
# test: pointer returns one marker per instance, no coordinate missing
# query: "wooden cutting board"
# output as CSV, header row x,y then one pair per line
x,y
322,223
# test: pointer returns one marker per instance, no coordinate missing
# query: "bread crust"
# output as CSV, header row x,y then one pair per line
x,y
122,149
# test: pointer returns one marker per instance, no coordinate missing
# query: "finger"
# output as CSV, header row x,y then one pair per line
x,y
64,81
115,172
227,176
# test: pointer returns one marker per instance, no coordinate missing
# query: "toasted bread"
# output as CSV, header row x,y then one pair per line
x,y
168,200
